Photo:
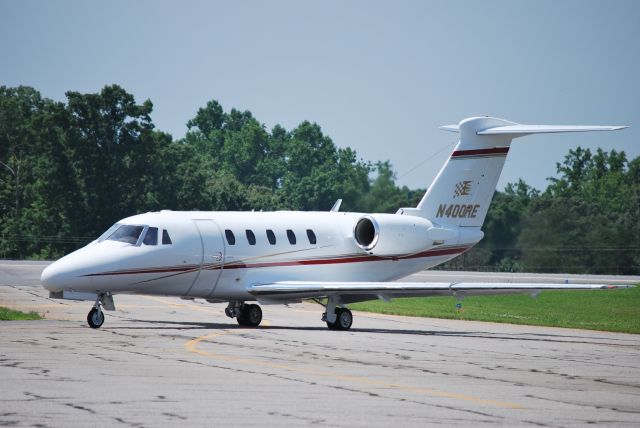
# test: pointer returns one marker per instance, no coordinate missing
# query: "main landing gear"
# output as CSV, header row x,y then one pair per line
x,y
247,315
344,319
337,318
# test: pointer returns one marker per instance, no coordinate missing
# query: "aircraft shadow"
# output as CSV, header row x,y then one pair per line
x,y
532,337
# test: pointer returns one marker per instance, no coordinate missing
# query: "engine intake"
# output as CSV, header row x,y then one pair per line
x,y
392,234
366,233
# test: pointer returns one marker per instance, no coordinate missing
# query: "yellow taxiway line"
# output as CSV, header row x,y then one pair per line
x,y
192,346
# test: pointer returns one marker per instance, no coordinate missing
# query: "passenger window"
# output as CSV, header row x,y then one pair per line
x,y
271,237
311,236
251,237
127,233
291,236
166,239
151,238
231,239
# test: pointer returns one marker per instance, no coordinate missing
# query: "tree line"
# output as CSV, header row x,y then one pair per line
x,y
68,170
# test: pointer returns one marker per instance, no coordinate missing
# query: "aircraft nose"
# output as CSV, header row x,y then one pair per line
x,y
68,273
52,277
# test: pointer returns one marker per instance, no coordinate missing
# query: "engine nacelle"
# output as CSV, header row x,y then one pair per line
x,y
391,234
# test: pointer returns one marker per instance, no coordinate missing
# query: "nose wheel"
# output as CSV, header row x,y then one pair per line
x,y
95,318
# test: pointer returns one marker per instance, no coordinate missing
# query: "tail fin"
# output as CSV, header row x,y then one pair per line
x,y
462,191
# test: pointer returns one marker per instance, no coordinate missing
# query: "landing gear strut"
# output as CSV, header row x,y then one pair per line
x,y
247,315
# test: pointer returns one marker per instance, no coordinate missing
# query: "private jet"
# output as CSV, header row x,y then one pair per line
x,y
334,258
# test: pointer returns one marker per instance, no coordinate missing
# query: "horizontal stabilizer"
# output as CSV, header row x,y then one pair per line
x,y
517,130
544,129
450,128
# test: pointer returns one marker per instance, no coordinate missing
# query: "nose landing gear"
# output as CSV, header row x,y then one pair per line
x,y
95,317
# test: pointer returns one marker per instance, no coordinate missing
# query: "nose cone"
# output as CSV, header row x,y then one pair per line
x,y
53,277
68,273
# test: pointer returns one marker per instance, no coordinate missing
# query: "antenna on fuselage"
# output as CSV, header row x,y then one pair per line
x,y
336,206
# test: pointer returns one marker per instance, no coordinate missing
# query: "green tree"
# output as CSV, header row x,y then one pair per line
x,y
587,219
114,153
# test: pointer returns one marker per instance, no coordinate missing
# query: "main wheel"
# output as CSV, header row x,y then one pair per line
x,y
344,319
95,318
249,316
254,315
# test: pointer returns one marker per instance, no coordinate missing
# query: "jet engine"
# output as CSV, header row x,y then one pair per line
x,y
390,234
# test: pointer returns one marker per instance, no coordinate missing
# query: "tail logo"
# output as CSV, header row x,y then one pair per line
x,y
463,188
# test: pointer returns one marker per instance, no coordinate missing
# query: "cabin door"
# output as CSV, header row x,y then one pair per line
x,y
212,259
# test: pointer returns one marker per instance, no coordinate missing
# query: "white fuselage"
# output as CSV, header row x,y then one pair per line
x,y
202,262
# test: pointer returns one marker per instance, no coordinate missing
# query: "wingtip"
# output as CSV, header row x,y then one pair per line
x,y
614,286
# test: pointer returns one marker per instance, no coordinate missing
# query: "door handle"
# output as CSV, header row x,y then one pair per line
x,y
217,256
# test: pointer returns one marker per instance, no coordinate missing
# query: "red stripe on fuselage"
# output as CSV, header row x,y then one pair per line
x,y
351,259
150,270
341,260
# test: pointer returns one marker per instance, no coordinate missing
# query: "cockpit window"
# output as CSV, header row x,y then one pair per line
x,y
108,233
166,239
127,233
151,238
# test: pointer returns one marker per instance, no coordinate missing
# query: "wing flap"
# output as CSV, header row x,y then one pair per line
x,y
291,290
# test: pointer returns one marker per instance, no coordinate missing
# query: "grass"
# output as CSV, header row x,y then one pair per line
x,y
608,310
7,314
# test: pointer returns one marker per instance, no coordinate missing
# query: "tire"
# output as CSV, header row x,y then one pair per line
x,y
344,319
95,318
249,316
241,317
253,315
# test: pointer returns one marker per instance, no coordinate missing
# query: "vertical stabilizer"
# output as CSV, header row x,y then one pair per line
x,y
462,191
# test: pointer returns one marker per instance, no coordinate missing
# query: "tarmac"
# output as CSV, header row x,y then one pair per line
x,y
160,361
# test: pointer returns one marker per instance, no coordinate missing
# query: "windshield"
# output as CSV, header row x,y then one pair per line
x,y
108,233
126,233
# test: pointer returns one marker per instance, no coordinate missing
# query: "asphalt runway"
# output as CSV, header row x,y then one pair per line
x,y
164,361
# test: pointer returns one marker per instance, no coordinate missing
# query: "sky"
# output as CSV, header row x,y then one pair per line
x,y
377,76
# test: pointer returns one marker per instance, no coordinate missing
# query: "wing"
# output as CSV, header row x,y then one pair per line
x,y
350,292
